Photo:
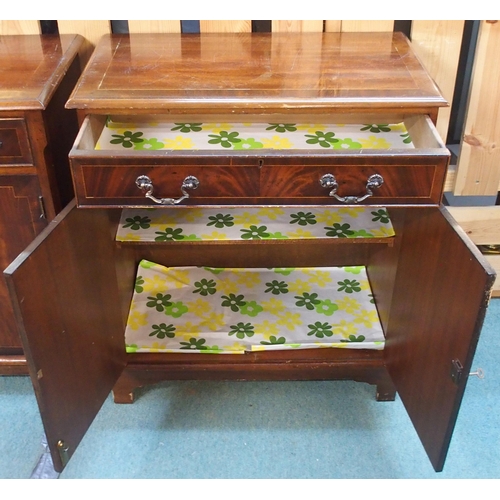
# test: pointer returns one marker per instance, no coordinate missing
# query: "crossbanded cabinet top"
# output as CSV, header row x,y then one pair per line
x,y
267,72
32,67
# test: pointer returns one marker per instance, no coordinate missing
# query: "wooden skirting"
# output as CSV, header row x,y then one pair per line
x,y
13,365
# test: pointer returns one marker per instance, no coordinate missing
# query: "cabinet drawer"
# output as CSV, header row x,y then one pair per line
x,y
14,145
122,164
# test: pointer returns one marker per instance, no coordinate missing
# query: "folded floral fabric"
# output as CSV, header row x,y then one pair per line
x,y
152,135
259,223
234,310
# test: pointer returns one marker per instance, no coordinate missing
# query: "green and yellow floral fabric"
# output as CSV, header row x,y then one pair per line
x,y
245,136
266,223
209,310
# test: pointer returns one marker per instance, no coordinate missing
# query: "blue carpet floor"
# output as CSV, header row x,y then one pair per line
x,y
280,430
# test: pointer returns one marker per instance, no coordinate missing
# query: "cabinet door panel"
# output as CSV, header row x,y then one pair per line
x,y
65,296
440,299
14,145
20,221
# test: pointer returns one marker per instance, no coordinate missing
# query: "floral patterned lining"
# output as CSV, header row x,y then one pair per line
x,y
191,309
259,223
231,311
246,136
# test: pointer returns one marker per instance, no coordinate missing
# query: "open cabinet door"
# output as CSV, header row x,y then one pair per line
x,y
65,296
441,294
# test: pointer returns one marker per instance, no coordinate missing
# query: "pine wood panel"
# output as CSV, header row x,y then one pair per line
x,y
449,183
333,26
438,44
477,168
19,27
367,26
482,224
154,26
293,26
90,30
225,26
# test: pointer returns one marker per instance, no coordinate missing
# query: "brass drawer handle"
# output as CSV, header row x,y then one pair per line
x,y
144,183
328,181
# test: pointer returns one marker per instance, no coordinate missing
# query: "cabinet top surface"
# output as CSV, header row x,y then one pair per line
x,y
32,66
254,71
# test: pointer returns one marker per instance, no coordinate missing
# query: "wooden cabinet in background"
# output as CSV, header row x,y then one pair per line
x,y
37,74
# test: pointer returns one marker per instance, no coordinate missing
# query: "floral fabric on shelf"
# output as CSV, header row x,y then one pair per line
x,y
245,136
259,223
208,310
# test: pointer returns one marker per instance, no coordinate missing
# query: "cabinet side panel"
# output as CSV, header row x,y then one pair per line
x,y
62,128
382,268
64,293
440,298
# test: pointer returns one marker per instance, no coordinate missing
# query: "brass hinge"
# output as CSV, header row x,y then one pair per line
x,y
489,249
456,371
63,450
43,213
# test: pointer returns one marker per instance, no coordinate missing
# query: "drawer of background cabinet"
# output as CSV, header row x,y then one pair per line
x,y
150,161
14,144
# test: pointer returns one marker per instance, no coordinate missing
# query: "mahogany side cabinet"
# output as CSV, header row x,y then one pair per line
x,y
72,287
37,74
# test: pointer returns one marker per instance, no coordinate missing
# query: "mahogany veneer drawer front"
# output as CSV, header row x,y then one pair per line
x,y
414,183
108,177
115,186
14,145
